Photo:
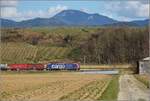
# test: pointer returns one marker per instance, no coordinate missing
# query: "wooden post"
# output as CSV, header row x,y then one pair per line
x,y
84,59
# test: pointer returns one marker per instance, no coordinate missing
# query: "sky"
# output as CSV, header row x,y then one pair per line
x,y
121,10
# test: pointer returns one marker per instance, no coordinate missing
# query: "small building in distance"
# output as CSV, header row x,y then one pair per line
x,y
144,66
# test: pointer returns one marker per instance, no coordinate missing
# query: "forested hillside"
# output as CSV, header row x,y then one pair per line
x,y
90,45
114,45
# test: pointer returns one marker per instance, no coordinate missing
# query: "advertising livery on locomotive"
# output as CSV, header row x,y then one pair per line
x,y
49,66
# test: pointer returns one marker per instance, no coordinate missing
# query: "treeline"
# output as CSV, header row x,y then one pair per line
x,y
113,45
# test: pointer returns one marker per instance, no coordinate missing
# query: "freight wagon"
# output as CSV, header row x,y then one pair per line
x,y
37,66
63,66
3,67
26,67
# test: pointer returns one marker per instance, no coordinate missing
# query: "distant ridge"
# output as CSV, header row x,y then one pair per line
x,y
136,23
72,18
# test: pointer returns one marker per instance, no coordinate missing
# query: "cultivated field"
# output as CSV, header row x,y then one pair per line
x,y
52,86
25,53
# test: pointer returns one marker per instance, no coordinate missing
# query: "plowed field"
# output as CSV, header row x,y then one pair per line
x,y
52,86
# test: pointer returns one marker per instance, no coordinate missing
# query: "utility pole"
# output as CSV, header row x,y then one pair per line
x,y
84,59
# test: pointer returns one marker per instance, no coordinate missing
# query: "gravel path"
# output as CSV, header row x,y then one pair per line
x,y
132,90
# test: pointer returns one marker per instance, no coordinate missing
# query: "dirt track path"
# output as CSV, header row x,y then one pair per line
x,y
132,90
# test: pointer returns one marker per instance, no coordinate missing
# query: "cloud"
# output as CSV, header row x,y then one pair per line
x,y
85,10
9,11
143,11
54,10
137,8
122,18
8,8
33,14
144,1
8,3
51,11
128,9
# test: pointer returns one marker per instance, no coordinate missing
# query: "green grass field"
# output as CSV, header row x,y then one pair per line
x,y
111,92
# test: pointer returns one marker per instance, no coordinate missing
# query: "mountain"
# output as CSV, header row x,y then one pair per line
x,y
75,17
71,18
141,22
7,23
136,23
37,22
64,18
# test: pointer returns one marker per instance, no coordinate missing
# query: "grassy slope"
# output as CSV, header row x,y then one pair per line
x,y
144,79
79,33
111,91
